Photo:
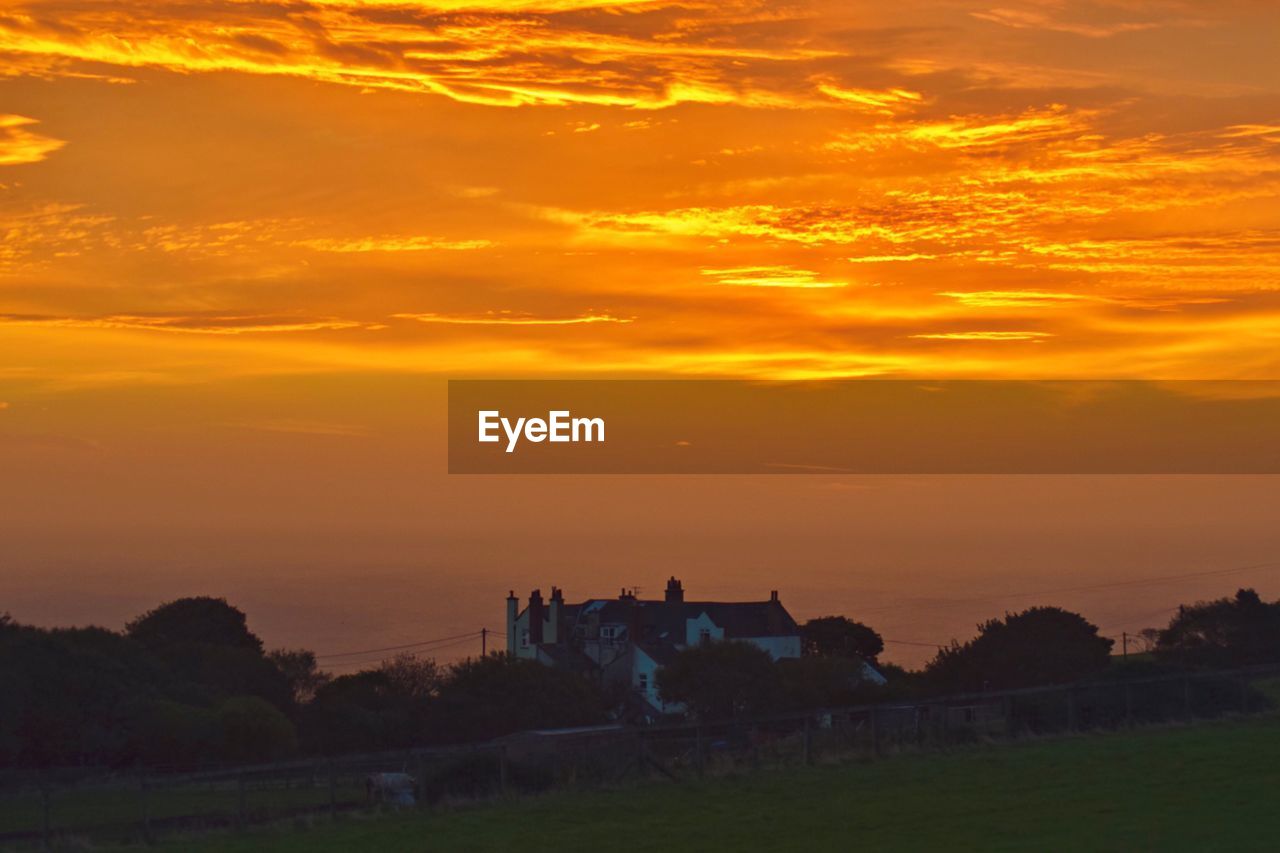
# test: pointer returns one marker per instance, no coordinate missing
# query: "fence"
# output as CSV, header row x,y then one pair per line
x,y
42,808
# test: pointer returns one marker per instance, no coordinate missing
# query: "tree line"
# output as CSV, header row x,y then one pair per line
x,y
189,684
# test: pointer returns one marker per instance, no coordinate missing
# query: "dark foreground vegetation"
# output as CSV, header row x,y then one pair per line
x,y
1208,787
189,685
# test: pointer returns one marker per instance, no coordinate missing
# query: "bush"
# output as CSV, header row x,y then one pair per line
x,y
255,730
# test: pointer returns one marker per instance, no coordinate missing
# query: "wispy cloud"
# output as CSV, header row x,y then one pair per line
x,y
19,144
1033,19
199,324
488,53
509,318
391,244
883,101
305,427
772,276
983,336
1016,298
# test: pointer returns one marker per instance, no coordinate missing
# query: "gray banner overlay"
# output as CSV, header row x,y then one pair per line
x,y
865,426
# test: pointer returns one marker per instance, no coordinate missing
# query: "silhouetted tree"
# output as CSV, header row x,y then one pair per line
x,y
1235,631
487,697
175,734
255,730
719,680
1043,645
839,636
414,677
300,671
214,673
67,696
1145,640
362,712
824,682
202,619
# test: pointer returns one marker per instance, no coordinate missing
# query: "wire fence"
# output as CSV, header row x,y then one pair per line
x,y
71,805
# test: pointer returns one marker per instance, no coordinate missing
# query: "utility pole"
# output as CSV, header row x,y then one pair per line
x,y
484,641
1124,636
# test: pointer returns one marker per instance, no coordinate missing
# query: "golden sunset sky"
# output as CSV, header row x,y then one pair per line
x,y
202,189
243,238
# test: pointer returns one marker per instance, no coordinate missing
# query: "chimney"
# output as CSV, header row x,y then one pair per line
x,y
555,611
675,592
513,610
773,596
633,620
535,617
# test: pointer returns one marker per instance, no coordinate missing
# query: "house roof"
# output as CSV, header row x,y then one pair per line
x,y
566,657
663,622
658,653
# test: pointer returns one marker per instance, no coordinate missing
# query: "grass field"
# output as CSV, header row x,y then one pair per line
x,y
1207,787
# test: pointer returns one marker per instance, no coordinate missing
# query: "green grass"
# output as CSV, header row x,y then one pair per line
x,y
1203,788
116,814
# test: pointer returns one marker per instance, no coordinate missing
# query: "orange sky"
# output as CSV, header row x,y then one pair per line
x,y
209,188
230,227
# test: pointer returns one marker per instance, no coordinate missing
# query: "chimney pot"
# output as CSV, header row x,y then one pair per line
x,y
675,591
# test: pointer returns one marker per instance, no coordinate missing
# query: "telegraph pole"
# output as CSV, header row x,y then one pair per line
x,y
484,641
1124,637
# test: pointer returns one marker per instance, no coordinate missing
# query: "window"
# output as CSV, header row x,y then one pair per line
x,y
644,681
524,636
610,632
704,635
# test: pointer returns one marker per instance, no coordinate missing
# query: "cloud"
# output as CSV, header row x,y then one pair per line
x,y
508,318
70,230
304,427
1017,298
1030,19
186,324
390,244
771,276
889,259
886,101
19,145
494,54
983,336
973,132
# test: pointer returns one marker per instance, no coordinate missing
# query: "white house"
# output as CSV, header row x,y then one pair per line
x,y
627,639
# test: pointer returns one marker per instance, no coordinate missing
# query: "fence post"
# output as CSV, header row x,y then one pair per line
x,y
875,731
46,814
807,750
1071,710
699,759
242,803
1244,695
1186,697
421,788
332,780
502,769
1128,705
146,810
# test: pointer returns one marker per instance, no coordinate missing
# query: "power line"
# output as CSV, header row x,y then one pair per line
x,y
455,640
370,661
1084,588
397,648
1132,619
